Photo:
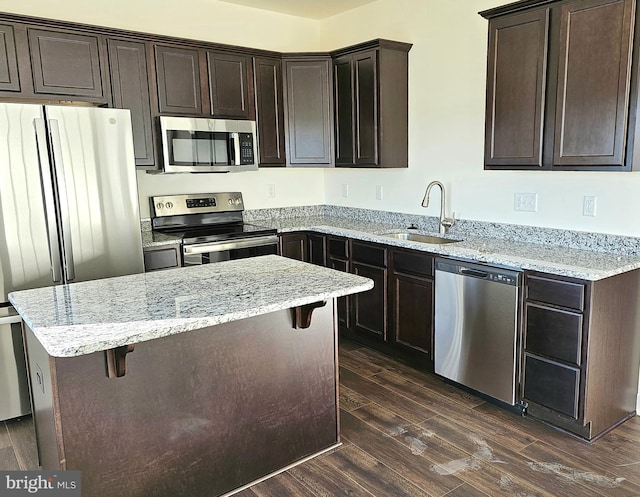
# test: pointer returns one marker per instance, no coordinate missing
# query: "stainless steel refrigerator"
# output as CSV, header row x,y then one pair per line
x,y
68,212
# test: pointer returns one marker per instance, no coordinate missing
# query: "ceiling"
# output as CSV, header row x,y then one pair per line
x,y
314,9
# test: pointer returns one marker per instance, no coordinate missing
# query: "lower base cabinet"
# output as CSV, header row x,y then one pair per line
x,y
162,257
581,351
396,316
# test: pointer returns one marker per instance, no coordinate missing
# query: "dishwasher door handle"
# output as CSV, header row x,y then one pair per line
x,y
473,272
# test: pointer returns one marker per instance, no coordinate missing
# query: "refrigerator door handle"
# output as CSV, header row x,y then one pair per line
x,y
48,198
56,144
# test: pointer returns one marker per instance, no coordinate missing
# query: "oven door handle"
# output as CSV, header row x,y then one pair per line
x,y
203,248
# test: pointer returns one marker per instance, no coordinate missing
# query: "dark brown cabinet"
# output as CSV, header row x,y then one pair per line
x,y
308,111
317,249
293,246
581,351
162,257
370,84
369,309
411,304
269,111
69,64
130,90
517,70
9,77
560,91
338,258
178,80
231,85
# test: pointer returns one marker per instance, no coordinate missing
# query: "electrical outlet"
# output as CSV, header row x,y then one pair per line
x,y
589,206
345,190
379,192
527,202
271,190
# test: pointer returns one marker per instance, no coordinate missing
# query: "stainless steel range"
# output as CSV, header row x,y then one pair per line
x,y
211,227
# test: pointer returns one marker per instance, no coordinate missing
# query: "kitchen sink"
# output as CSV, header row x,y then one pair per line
x,y
417,237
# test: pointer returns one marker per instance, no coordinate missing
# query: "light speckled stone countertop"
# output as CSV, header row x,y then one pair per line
x,y
92,316
576,263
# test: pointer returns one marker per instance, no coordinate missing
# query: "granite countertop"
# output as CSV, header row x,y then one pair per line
x,y
563,261
81,318
156,239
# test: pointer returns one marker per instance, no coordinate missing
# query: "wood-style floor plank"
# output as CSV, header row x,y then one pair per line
x,y
22,434
554,463
411,462
324,481
358,364
373,475
282,485
350,400
395,402
5,440
466,490
483,449
8,461
426,380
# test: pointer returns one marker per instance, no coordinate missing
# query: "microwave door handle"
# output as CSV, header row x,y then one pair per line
x,y
48,198
234,144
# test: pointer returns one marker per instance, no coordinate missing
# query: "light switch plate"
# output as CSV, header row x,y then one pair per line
x,y
271,190
526,202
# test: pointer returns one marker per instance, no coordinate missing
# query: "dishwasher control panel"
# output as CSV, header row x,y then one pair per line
x,y
488,273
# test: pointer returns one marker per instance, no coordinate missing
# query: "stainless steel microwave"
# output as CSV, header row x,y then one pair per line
x,y
200,145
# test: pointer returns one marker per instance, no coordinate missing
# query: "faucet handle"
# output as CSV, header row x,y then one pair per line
x,y
448,222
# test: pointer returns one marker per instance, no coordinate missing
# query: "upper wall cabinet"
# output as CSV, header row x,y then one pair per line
x,y
270,111
9,78
67,63
370,83
561,92
130,90
178,79
229,84
308,111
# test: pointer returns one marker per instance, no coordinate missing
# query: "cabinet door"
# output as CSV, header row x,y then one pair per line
x,y
343,303
366,108
9,80
317,245
343,105
230,86
516,77
596,38
294,246
178,76
66,63
309,112
369,309
412,311
130,89
270,111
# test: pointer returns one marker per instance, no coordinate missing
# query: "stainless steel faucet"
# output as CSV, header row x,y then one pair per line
x,y
445,223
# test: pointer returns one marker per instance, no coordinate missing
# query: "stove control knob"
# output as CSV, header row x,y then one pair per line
x,y
169,205
159,206
230,201
237,201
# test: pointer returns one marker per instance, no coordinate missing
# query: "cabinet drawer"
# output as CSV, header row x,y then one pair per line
x,y
161,259
338,247
562,293
375,255
552,385
412,263
554,333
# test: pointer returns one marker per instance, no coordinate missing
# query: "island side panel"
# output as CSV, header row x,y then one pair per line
x,y
203,412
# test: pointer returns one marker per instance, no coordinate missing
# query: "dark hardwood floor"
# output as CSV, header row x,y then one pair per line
x,y
407,433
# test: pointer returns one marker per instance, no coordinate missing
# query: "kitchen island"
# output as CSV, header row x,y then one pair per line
x,y
187,382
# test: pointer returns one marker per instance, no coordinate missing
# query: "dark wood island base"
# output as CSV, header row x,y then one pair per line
x,y
203,413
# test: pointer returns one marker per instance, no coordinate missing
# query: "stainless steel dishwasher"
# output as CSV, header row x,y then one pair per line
x,y
476,327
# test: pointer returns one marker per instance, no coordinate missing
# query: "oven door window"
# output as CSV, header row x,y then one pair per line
x,y
200,148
